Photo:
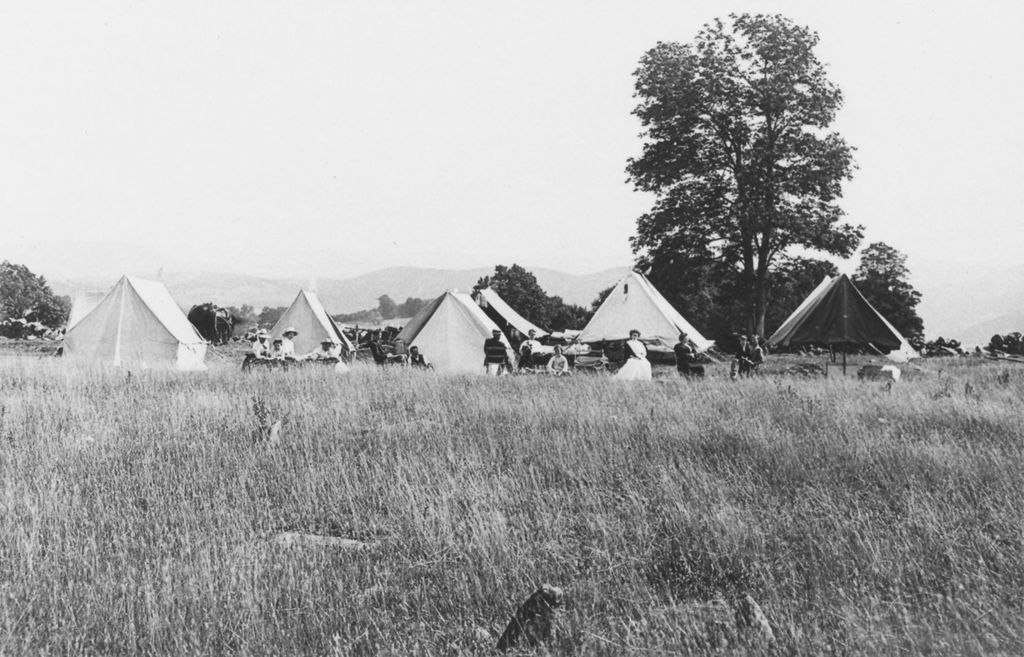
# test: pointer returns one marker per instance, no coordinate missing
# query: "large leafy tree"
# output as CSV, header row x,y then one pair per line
x,y
24,294
882,278
738,153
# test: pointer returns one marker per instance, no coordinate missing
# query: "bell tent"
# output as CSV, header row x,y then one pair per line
x,y
838,316
901,354
307,316
503,314
136,323
450,331
634,303
82,305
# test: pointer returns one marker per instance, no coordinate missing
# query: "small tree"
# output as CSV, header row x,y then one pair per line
x,y
520,290
269,316
601,296
387,307
244,316
27,295
562,315
410,307
882,278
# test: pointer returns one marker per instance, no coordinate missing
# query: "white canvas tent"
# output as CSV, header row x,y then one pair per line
x,y
312,322
494,306
136,323
635,304
450,331
82,305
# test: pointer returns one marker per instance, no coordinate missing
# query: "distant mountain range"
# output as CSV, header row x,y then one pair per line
x,y
970,302
352,294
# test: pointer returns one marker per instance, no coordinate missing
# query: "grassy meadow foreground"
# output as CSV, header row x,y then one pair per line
x,y
137,511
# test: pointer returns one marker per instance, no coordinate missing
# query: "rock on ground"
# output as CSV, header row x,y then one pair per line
x,y
297,539
532,622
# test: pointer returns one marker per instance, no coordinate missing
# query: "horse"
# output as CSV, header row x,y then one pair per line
x,y
214,323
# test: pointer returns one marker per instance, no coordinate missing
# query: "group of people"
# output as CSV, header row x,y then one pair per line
x,y
498,361
635,365
282,350
749,356
498,356
399,355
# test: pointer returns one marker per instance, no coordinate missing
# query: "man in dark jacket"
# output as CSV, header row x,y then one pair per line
x,y
495,354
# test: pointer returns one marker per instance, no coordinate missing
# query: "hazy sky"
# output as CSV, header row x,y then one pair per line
x,y
332,138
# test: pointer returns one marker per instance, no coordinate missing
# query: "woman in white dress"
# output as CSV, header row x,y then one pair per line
x,y
637,367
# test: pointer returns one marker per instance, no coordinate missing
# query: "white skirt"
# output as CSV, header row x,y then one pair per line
x,y
635,369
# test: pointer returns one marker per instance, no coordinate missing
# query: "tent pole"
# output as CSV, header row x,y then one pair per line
x,y
844,362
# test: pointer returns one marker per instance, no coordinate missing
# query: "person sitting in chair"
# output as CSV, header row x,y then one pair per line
x,y
686,359
398,355
327,351
287,350
416,359
636,367
260,350
527,349
558,365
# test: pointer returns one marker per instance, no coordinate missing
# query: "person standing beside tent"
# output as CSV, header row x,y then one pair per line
x,y
636,367
749,356
686,359
741,364
495,354
756,354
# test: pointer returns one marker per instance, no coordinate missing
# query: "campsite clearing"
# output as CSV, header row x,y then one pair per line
x,y
863,519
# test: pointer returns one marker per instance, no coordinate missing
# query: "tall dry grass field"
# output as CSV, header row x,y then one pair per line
x,y
136,513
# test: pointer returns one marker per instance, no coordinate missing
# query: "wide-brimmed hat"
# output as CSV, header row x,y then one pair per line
x,y
327,341
497,331
290,329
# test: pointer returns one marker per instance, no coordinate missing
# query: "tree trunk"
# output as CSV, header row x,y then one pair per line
x,y
760,306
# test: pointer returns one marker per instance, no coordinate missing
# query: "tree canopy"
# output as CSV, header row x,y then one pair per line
x,y
520,290
739,157
24,294
882,278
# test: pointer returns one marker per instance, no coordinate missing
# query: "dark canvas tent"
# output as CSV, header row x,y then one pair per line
x,y
838,316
